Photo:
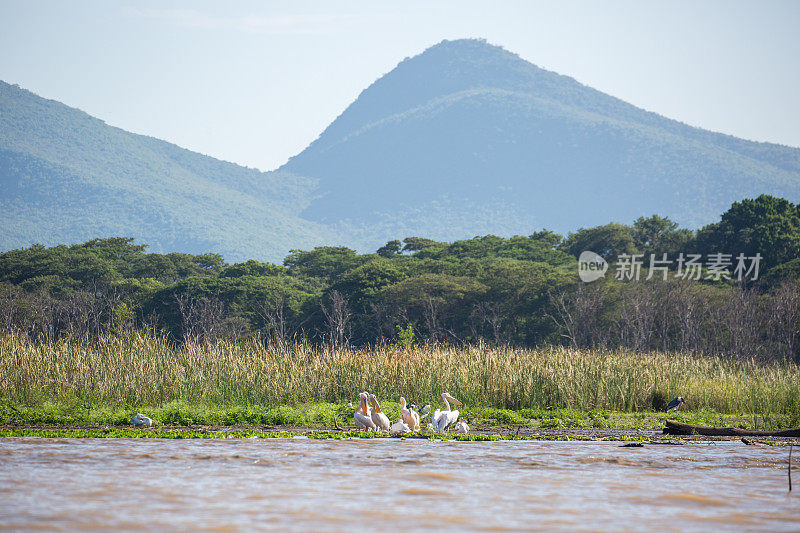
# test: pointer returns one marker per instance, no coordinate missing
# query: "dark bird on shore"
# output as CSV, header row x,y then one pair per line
x,y
425,411
675,404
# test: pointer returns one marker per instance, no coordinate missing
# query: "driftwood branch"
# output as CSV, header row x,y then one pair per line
x,y
679,428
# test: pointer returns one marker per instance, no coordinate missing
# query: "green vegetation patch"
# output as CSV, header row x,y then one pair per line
x,y
327,415
157,433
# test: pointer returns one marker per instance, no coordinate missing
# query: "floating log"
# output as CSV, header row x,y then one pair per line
x,y
765,442
679,428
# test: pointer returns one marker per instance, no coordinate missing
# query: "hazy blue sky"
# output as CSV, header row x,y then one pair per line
x,y
255,82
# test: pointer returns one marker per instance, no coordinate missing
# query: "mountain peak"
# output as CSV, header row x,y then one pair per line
x,y
473,47
447,67
467,127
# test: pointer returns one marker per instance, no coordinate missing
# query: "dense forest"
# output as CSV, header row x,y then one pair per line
x,y
522,291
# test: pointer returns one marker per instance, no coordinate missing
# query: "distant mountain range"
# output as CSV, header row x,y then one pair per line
x,y
67,177
464,139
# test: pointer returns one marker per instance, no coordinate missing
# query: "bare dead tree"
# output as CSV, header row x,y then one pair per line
x,y
379,316
10,302
666,294
743,321
576,313
489,314
232,328
209,313
153,324
272,311
784,317
689,311
637,316
201,318
431,314
337,319
185,309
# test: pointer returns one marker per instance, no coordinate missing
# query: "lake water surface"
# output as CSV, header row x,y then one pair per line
x,y
388,484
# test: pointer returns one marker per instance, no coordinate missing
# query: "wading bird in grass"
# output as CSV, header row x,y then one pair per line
x,y
378,417
362,416
444,419
462,426
675,404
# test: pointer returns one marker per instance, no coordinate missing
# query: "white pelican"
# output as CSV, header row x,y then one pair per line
x,y
414,420
400,427
404,409
362,414
444,419
408,415
378,418
462,426
141,421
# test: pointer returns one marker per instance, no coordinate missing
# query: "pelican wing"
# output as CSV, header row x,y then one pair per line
x,y
452,419
414,421
400,427
440,420
381,421
363,421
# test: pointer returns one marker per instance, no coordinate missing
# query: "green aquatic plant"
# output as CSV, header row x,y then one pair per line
x,y
161,433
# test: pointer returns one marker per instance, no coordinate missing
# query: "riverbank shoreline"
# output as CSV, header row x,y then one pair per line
x,y
320,415
481,433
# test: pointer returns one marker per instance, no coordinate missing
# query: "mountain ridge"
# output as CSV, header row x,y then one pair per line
x,y
168,196
493,88
550,76
464,139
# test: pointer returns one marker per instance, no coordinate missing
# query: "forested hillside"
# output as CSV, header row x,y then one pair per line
x,y
468,138
68,177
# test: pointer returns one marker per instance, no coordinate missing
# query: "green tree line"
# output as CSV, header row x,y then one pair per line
x,y
522,290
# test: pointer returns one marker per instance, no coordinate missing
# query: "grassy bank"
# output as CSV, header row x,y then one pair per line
x,y
323,415
104,382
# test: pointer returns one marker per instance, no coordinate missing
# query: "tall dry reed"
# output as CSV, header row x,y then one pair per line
x,y
142,370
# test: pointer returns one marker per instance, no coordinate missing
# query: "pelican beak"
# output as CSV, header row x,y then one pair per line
x,y
455,401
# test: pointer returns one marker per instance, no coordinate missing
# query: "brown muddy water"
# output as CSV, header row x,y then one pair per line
x,y
391,484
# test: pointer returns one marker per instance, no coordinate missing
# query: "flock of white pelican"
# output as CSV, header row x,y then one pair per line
x,y
370,417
